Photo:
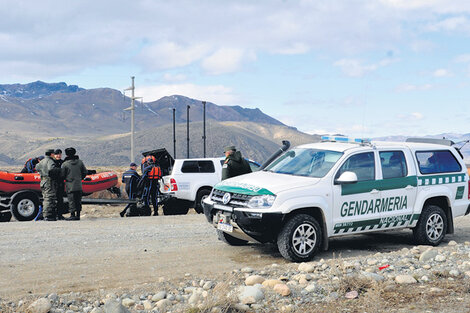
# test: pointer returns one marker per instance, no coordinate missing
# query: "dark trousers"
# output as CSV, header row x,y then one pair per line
x,y
75,201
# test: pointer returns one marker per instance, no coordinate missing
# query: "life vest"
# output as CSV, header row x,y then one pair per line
x,y
155,173
148,159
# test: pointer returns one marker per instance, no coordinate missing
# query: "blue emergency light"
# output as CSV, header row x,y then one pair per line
x,y
344,139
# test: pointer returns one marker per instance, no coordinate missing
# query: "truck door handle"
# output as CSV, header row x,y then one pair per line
x,y
374,191
409,187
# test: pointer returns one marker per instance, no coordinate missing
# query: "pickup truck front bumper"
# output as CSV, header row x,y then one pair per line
x,y
258,226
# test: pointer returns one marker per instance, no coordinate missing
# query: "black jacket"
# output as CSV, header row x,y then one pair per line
x,y
235,165
131,178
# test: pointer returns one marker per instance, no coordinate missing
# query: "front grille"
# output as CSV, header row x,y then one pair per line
x,y
237,199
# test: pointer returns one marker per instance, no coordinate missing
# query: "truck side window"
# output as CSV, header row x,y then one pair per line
x,y
190,167
206,167
393,164
439,161
363,164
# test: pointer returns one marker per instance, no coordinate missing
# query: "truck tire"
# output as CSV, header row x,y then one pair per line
x,y
201,195
175,207
431,227
300,238
230,239
5,217
25,206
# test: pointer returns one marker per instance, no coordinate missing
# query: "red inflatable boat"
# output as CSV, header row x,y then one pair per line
x,y
13,182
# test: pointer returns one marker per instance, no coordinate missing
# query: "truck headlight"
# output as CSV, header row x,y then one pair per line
x,y
264,201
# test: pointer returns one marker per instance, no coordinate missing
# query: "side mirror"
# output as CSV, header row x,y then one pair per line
x,y
346,178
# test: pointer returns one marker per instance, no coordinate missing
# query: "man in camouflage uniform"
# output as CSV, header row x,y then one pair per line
x,y
48,186
234,164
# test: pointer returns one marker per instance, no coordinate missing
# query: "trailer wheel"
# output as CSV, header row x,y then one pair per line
x,y
25,206
5,217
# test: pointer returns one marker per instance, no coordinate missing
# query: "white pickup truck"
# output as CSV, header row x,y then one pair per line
x,y
343,186
190,181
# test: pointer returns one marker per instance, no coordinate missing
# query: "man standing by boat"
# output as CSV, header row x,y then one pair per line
x,y
74,171
48,186
60,185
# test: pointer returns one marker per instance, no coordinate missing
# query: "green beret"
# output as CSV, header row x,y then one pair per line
x,y
229,148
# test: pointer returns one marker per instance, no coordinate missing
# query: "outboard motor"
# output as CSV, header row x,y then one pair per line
x,y
284,148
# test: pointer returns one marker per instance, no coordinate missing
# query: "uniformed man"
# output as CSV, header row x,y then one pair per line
x,y
74,171
46,168
130,178
234,164
60,185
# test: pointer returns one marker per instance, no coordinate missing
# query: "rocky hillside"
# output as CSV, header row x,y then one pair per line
x,y
256,141
51,109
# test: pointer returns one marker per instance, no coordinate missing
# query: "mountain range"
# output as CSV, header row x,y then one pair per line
x,y
38,116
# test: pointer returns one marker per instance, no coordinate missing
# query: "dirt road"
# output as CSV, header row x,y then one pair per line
x,y
112,253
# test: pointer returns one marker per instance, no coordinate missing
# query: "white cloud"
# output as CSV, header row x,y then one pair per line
x,y
411,87
219,94
169,77
441,73
414,116
463,58
459,23
171,55
226,60
355,68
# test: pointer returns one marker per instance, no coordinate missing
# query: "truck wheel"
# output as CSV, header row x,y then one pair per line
x,y
431,227
25,207
300,238
201,195
230,239
5,217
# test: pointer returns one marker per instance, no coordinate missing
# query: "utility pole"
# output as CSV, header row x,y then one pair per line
x,y
174,134
187,129
132,109
204,126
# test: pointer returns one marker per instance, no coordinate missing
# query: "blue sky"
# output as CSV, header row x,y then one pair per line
x,y
358,67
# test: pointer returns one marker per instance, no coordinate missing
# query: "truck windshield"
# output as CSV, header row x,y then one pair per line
x,y
305,162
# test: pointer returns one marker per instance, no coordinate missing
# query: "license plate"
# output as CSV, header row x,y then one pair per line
x,y
223,207
225,227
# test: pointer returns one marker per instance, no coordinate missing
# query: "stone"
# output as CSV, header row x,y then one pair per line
x,y
282,289
208,285
247,270
114,306
306,267
42,305
351,295
311,287
96,310
195,298
454,273
128,302
440,258
53,297
373,276
250,294
405,279
148,305
270,283
159,296
253,280
427,255
452,243
163,304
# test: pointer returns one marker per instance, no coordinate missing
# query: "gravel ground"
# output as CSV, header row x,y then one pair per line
x,y
82,265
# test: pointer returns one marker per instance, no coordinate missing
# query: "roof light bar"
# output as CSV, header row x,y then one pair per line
x,y
345,139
